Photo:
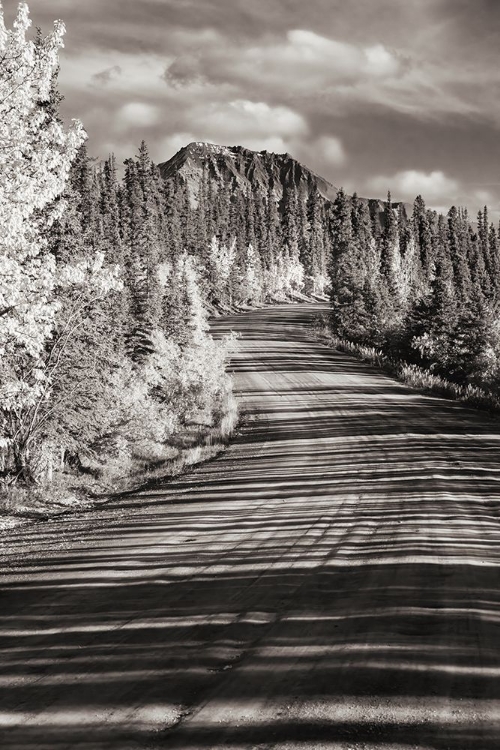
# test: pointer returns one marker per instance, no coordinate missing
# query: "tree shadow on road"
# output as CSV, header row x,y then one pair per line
x,y
330,581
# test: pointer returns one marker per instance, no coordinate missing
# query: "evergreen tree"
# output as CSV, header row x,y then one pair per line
x,y
494,263
117,304
175,310
457,245
432,321
272,239
305,254
480,281
201,216
349,315
174,203
363,236
389,256
423,237
317,253
142,254
290,219
260,229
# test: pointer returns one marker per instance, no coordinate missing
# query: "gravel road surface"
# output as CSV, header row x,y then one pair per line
x,y
330,581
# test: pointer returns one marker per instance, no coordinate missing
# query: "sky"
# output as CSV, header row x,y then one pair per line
x,y
371,94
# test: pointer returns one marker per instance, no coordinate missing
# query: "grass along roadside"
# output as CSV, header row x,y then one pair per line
x,y
409,374
198,443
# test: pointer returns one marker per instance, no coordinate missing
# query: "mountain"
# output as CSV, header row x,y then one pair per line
x,y
252,171
246,169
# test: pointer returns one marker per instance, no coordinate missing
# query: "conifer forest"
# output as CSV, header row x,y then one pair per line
x,y
249,468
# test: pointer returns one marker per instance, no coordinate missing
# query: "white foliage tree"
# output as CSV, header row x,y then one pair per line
x,y
197,320
251,277
221,263
35,157
285,277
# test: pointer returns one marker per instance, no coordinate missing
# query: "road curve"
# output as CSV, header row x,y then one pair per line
x,y
331,581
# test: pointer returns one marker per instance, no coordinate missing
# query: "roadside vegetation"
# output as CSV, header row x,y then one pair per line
x,y
108,373
419,297
412,375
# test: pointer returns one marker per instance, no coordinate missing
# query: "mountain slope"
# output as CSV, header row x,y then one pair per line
x,y
252,171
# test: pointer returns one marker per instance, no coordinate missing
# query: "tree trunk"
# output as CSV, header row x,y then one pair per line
x,y
22,464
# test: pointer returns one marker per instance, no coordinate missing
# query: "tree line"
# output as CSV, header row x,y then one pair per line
x,y
424,289
263,243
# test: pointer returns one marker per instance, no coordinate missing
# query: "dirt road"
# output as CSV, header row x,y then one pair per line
x,y
331,581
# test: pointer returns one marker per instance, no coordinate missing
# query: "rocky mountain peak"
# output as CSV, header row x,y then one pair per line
x,y
252,172
247,170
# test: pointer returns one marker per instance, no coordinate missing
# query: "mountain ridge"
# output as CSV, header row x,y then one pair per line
x,y
254,170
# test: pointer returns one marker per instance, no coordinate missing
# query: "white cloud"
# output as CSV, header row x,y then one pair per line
x,y
172,144
432,186
104,77
310,50
302,62
484,196
380,62
251,119
255,125
325,72
137,114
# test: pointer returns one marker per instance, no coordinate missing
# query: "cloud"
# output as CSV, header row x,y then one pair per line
x,y
380,62
252,120
330,149
121,73
183,71
137,114
302,60
326,72
106,76
483,196
434,187
173,143
255,125
324,154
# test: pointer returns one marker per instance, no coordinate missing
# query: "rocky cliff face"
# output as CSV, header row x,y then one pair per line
x,y
245,169
252,171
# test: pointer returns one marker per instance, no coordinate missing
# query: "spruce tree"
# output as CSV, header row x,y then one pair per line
x,y
142,247
305,254
173,207
423,237
290,219
389,260
494,263
272,243
431,320
317,251
457,245
363,235
349,316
